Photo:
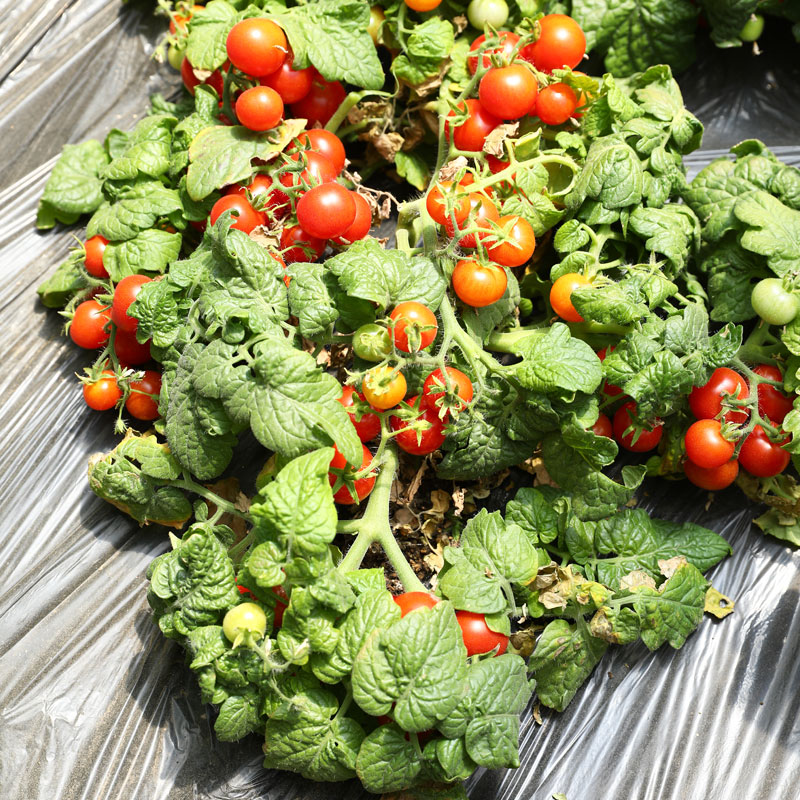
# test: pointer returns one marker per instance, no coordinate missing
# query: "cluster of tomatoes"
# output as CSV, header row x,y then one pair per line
x,y
417,423
258,49
91,328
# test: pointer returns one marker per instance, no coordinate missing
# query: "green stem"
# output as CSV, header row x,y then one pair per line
x,y
212,497
352,99
507,341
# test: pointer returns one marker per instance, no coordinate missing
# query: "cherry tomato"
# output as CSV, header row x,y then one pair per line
x,y
180,20
603,427
706,401
518,245
280,606
487,12
422,5
561,296
383,388
555,104
411,601
483,212
259,108
257,46
706,446
414,326
245,217
361,224
477,284
471,134
608,388
772,402
443,393
321,102
372,342
93,249
142,402
317,169
712,479
761,457
104,393
773,303
362,486
291,84
124,294
129,350
418,442
260,192
297,245
647,439
367,425
243,619
326,210
508,92
507,43
752,29
190,80
478,637
443,203
561,43
327,144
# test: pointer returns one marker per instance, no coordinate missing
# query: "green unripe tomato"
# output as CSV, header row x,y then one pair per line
x,y
773,303
487,12
244,618
376,18
372,342
752,29
175,57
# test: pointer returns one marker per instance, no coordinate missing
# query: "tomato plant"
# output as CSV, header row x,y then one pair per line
x,y
327,144
411,601
362,222
773,303
257,46
479,638
478,285
297,245
555,104
507,41
316,169
291,84
762,457
508,92
516,242
191,81
321,102
444,203
561,295
487,12
413,326
603,427
125,293
422,5
367,424
471,134
342,471
245,217
263,197
420,430
326,211
706,446
244,619
706,401
638,441
142,401
447,391
483,212
712,479
93,249
372,342
772,402
561,43
104,393
259,108
383,387
129,350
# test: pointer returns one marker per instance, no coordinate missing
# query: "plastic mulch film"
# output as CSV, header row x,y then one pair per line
x,y
95,703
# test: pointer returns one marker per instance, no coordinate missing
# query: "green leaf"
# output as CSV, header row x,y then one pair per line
x,y
448,760
56,290
387,762
773,230
223,154
492,554
208,33
671,612
387,277
611,175
615,625
404,665
413,167
311,293
147,150
536,515
156,308
733,272
136,208
672,231
781,526
430,43
74,186
206,645
480,322
564,657
238,716
727,18
149,251
488,716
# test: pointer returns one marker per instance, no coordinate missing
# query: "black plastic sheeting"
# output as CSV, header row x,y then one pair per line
x,y
95,703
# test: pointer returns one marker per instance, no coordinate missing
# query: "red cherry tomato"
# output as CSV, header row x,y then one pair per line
x,y
317,170
280,606
124,294
327,144
291,84
180,20
297,245
712,479
142,402
603,427
561,43
245,217
507,43
443,393
257,46
129,350
93,249
555,104
103,393
418,442
706,446
706,401
326,210
483,213
647,439
478,637
440,196
478,285
259,108
362,486
411,601
508,92
608,388
561,295
761,457
321,102
361,224
414,326
518,244
190,80
472,133
772,402
368,426
260,192
422,5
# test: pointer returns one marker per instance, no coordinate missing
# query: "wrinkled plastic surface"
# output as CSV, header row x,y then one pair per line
x,y
95,703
